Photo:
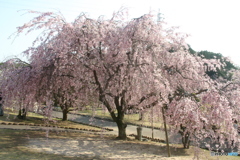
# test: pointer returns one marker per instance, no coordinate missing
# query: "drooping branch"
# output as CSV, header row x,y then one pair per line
x,y
144,98
172,70
102,97
180,92
229,84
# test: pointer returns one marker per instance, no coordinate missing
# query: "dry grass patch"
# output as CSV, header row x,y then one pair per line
x,y
35,145
13,146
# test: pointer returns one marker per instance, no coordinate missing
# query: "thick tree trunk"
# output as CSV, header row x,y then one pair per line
x,y
185,137
186,141
121,130
1,110
65,112
22,114
119,102
19,114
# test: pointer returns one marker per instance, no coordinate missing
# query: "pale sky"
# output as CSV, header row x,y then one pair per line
x,y
213,24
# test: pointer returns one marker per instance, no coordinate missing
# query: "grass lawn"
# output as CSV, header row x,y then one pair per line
x,y
129,118
33,118
14,144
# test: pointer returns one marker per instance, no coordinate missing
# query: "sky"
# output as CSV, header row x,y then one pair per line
x,y
213,25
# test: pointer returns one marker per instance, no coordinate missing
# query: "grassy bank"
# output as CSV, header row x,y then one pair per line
x,y
37,119
147,119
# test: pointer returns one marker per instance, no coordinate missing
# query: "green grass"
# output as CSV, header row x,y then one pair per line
x,y
129,118
33,118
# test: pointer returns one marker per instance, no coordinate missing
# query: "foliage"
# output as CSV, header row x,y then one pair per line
x,y
222,71
34,84
15,80
127,66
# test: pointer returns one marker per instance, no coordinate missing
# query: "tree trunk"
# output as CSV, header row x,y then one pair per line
x,y
65,112
119,102
185,137
19,114
121,130
1,110
186,140
22,114
140,116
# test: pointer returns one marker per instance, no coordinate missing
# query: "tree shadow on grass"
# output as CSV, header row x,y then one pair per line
x,y
22,144
13,146
103,147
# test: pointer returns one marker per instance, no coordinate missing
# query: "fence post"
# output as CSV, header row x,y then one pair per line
x,y
139,133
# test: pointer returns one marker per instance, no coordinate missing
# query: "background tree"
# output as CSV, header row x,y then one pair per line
x,y
185,103
42,83
223,71
15,82
58,82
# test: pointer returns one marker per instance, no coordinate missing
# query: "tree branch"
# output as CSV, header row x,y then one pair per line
x,y
143,99
102,97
